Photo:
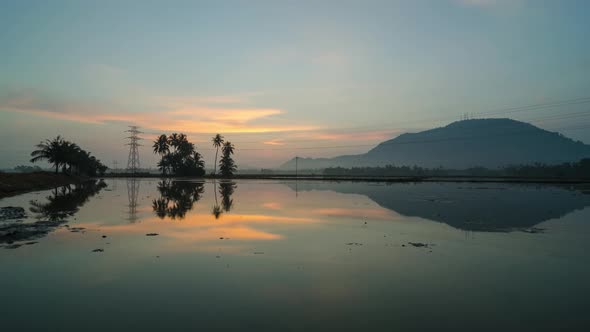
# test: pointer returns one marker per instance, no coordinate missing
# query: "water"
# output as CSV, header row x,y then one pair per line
x,y
281,256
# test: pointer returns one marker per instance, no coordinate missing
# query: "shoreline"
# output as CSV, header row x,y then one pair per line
x,y
390,179
12,184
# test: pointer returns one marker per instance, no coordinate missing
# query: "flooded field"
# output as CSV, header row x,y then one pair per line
x,y
262,255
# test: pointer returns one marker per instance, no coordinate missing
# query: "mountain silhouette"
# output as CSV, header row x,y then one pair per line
x,y
490,143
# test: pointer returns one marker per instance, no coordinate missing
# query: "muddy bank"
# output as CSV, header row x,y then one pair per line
x,y
18,183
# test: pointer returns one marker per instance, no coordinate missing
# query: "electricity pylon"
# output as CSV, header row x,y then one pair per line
x,y
133,160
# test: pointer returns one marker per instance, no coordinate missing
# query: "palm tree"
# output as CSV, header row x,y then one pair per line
x,y
228,148
161,145
50,150
174,140
227,165
217,142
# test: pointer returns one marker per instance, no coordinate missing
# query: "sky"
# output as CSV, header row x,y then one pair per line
x,y
281,79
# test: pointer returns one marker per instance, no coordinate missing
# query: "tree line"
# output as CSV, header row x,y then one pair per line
x,y
68,156
580,169
180,157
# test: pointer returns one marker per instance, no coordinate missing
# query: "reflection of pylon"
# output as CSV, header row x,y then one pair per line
x,y
133,161
132,193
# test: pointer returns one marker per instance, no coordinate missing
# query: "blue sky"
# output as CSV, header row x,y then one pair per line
x,y
281,78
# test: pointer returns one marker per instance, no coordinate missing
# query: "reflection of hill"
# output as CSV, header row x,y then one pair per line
x,y
467,206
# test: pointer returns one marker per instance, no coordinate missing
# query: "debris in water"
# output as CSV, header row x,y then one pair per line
x,y
98,250
151,234
354,244
104,236
258,253
418,244
12,212
30,243
533,230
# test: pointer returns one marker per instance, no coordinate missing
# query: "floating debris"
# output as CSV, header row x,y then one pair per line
x,y
151,234
419,244
76,229
30,243
104,236
533,230
354,244
258,253
98,250
12,212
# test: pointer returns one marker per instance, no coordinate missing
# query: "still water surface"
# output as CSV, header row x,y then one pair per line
x,y
296,256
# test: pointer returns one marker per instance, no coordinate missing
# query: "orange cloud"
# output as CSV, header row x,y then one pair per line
x,y
190,119
274,142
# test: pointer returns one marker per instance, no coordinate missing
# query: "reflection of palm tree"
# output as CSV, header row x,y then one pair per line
x,y
226,189
177,198
66,202
216,211
160,206
217,142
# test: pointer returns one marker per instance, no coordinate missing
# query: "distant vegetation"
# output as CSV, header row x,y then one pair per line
x,y
580,169
27,169
70,157
179,156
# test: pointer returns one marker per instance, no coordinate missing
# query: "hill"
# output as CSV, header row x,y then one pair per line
x,y
490,143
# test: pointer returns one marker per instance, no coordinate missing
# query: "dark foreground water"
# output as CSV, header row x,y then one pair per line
x,y
308,256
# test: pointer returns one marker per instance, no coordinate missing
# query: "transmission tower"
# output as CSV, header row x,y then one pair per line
x,y
133,161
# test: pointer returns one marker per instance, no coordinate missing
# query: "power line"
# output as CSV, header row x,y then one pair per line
x,y
508,110
519,132
501,111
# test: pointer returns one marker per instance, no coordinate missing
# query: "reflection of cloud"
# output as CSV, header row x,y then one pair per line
x,y
357,213
203,227
273,205
234,233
